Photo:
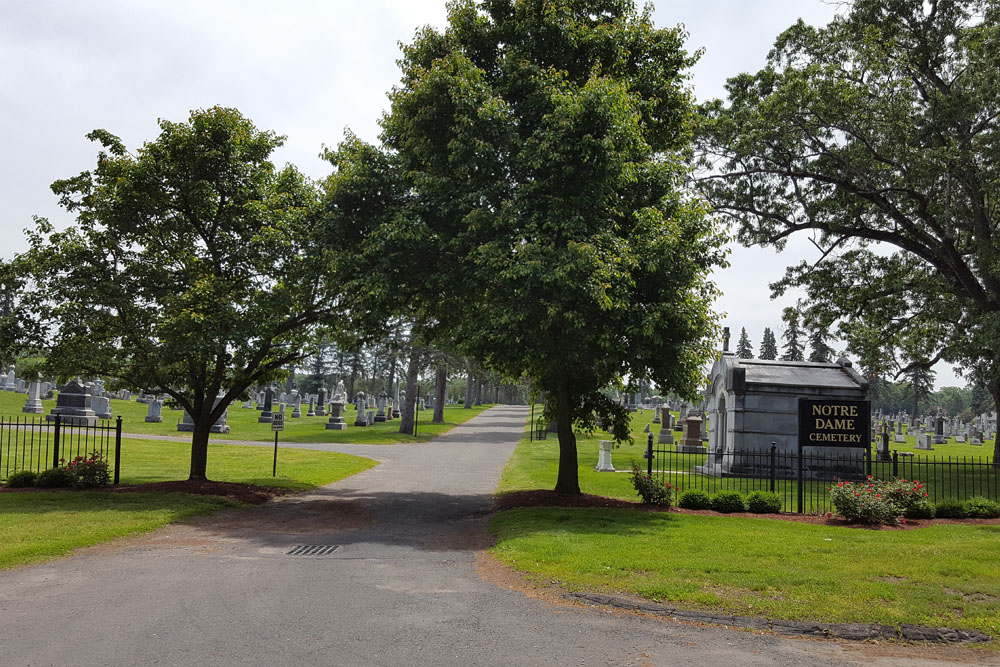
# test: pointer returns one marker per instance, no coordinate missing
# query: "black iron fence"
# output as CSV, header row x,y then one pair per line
x,y
38,444
803,482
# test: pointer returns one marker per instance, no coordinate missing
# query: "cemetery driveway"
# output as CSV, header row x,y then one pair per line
x,y
401,589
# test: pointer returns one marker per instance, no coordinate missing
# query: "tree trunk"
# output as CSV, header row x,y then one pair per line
x,y
470,383
994,388
355,362
440,394
568,480
199,448
392,378
406,416
478,393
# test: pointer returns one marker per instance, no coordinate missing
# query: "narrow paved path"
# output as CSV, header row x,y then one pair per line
x,y
401,589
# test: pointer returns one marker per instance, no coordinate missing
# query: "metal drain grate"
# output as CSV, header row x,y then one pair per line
x,y
313,549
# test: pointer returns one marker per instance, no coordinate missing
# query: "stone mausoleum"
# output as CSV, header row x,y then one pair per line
x,y
753,402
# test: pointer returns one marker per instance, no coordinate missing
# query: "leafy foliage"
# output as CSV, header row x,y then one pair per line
x,y
695,499
21,479
651,490
55,478
877,133
768,345
979,507
194,268
744,349
763,502
540,150
794,350
729,501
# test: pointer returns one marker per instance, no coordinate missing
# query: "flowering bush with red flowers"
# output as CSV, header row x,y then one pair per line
x,y
652,491
91,470
877,501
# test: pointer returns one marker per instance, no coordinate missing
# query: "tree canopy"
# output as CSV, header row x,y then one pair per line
x,y
792,334
193,268
543,147
768,345
878,134
744,348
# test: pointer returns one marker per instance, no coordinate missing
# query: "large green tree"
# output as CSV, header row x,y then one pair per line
x,y
792,334
193,268
543,146
879,135
744,348
768,345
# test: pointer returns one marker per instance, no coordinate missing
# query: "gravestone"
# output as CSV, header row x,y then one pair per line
x,y
383,400
337,408
691,444
401,400
296,400
102,407
656,415
646,430
19,386
267,412
939,437
33,406
604,456
74,405
312,407
321,402
360,404
924,442
370,416
187,424
11,383
154,410
666,436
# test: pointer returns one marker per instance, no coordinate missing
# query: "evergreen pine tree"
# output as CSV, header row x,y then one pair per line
x,y
792,336
768,346
744,350
821,352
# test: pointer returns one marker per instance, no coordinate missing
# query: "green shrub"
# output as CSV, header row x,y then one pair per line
x,y
90,471
652,491
21,479
729,501
950,508
982,508
764,502
695,499
55,478
863,502
921,510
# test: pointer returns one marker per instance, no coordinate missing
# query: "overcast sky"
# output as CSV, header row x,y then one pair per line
x,y
308,69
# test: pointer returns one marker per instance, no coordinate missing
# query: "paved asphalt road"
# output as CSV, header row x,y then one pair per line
x,y
402,589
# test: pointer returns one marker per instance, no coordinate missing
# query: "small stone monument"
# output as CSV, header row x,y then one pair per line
x,y
11,383
691,444
383,401
604,456
312,407
33,406
337,408
666,436
102,407
154,410
267,413
74,405
400,400
296,399
360,403
321,401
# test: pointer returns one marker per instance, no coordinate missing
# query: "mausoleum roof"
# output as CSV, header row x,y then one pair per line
x,y
799,374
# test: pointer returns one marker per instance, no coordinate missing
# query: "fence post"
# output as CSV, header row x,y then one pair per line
x,y
799,482
649,454
55,443
774,464
868,461
895,463
118,448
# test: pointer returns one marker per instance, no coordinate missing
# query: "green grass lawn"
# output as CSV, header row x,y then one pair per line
x,y
243,423
938,576
37,526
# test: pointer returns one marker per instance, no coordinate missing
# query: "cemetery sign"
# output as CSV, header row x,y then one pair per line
x,y
834,422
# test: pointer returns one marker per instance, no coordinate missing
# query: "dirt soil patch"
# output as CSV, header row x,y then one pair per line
x,y
516,499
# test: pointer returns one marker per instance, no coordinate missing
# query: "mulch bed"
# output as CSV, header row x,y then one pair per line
x,y
517,499
245,493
